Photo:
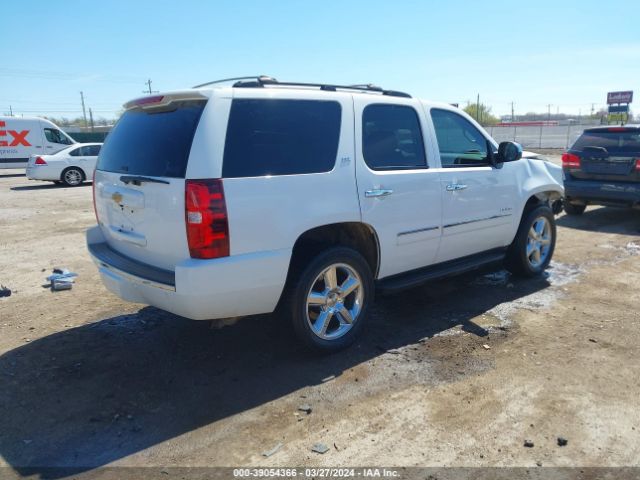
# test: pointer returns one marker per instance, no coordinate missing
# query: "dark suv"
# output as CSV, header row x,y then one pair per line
x,y
603,168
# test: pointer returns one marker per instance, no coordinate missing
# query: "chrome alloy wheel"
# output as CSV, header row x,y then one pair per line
x,y
73,177
538,242
334,301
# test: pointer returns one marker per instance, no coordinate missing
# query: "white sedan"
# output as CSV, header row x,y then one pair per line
x,y
71,166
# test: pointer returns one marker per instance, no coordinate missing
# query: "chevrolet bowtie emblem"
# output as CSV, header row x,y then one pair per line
x,y
117,197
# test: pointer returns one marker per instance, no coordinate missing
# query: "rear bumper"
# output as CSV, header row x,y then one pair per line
x,y
198,289
39,173
602,192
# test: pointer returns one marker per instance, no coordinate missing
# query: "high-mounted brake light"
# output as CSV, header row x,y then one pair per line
x,y
616,129
40,161
148,100
570,160
206,218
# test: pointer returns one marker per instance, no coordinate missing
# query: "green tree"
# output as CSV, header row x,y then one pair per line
x,y
483,115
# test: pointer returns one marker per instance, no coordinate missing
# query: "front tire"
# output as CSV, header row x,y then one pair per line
x,y
72,177
330,299
531,251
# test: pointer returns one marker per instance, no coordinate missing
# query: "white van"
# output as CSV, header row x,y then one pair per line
x,y
22,137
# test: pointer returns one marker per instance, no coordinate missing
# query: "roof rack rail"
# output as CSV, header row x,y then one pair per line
x,y
264,80
256,78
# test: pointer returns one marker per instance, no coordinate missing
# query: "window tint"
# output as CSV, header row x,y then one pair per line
x,y
460,143
92,150
281,137
614,142
392,138
154,142
56,136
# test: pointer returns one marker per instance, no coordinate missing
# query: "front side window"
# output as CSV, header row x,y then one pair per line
x,y
56,136
281,137
460,143
392,138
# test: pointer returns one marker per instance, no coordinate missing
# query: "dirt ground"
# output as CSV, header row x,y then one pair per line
x,y
455,373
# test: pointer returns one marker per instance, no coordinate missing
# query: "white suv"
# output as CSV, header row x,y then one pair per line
x,y
225,201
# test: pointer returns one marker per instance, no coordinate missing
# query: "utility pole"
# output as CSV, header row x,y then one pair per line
x,y
84,112
549,111
10,111
91,117
513,118
148,90
478,109
592,105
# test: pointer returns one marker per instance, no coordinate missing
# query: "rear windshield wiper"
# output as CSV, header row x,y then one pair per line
x,y
137,180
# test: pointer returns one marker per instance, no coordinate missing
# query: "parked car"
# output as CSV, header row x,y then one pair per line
x,y
71,166
228,201
22,137
603,168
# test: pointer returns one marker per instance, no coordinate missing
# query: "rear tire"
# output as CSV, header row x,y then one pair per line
x,y
328,299
72,177
531,251
572,209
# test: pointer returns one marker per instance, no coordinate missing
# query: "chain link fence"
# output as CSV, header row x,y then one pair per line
x,y
538,136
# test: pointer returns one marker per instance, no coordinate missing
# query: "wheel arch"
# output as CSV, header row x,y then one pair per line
x,y
360,236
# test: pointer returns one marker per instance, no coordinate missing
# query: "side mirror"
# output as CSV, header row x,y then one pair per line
x,y
508,152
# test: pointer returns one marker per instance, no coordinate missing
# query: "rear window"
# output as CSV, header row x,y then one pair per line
x,y
153,143
281,137
614,142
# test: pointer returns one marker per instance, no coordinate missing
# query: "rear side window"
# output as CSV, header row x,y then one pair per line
x,y
613,142
153,142
391,138
281,137
92,150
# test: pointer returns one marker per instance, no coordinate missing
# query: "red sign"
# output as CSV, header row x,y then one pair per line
x,y
619,97
19,138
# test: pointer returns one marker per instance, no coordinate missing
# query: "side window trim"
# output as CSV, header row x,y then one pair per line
x,y
468,123
421,136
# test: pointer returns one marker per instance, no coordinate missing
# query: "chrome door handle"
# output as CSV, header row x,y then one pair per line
x,y
452,187
378,192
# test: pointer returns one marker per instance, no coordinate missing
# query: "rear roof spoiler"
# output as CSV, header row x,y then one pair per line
x,y
155,101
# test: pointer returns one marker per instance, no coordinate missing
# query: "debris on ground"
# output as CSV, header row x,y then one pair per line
x,y
306,408
4,291
62,279
486,347
320,448
528,443
268,453
593,340
562,442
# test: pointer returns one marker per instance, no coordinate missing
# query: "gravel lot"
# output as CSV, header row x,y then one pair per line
x,y
87,380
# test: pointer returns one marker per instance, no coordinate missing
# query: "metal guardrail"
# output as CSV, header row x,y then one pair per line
x,y
542,136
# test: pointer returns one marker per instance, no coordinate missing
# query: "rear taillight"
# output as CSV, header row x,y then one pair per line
x,y
206,217
637,164
570,160
40,161
93,188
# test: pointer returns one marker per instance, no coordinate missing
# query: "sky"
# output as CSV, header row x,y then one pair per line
x,y
566,54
